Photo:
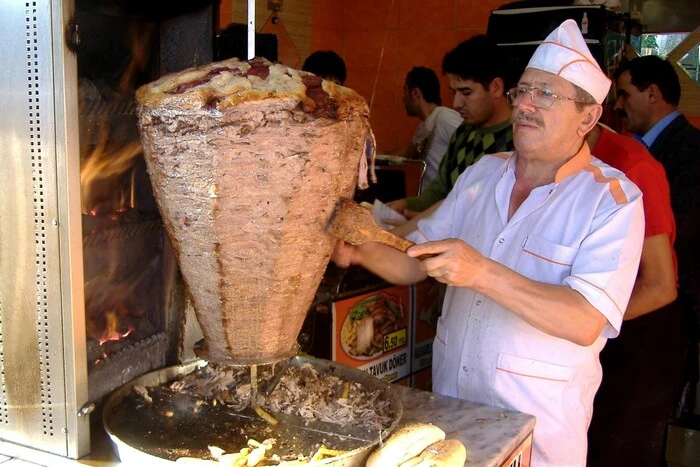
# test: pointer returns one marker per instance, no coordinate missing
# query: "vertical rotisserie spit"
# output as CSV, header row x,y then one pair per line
x,y
247,161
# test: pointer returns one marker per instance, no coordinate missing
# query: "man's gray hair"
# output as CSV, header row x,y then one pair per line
x,y
583,98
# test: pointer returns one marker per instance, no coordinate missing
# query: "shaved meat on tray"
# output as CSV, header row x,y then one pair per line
x,y
301,391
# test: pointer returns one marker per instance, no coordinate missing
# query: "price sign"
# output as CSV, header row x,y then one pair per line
x,y
394,340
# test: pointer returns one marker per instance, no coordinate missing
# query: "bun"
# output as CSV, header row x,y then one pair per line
x,y
406,442
447,453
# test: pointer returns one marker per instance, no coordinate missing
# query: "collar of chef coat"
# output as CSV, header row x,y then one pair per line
x,y
539,195
581,161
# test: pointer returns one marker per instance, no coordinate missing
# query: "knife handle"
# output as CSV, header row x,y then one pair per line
x,y
394,240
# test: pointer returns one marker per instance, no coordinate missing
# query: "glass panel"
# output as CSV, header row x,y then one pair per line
x,y
663,44
658,44
690,63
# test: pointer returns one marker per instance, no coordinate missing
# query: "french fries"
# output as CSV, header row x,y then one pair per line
x,y
253,455
247,457
265,416
322,453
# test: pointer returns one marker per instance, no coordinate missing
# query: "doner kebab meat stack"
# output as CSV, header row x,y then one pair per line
x,y
247,160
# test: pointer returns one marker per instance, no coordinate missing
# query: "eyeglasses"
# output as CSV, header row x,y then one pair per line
x,y
541,98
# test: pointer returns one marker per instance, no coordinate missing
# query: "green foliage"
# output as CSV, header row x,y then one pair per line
x,y
649,41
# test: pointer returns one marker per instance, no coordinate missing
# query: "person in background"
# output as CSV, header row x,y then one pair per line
x,y
643,367
421,98
326,64
478,74
648,94
539,248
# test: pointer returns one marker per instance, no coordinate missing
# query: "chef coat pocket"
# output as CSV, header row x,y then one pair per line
x,y
529,385
439,350
546,261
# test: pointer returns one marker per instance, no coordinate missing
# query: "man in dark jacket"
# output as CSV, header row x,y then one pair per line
x,y
648,94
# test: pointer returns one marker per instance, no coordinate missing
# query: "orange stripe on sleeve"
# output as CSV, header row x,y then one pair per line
x,y
620,310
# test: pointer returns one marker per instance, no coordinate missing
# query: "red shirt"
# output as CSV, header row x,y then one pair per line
x,y
632,158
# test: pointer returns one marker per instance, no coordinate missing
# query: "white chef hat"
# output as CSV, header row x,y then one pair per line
x,y
565,53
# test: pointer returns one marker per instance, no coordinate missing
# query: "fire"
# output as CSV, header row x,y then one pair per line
x,y
110,181
106,163
101,176
110,308
111,332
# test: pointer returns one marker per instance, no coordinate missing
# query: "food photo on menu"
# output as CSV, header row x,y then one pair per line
x,y
368,322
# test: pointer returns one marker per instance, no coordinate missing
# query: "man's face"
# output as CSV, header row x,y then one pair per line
x,y
546,131
409,102
474,103
632,105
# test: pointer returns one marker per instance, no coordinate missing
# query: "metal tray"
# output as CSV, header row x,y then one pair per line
x,y
186,434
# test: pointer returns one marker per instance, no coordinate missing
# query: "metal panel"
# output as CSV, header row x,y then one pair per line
x,y
43,373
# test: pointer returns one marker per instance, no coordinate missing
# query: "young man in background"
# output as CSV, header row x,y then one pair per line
x,y
479,75
421,98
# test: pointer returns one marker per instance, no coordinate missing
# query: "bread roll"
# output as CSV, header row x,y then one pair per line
x,y
447,453
406,442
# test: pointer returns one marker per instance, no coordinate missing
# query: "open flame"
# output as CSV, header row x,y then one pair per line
x,y
110,149
111,332
101,176
110,307
105,165
113,303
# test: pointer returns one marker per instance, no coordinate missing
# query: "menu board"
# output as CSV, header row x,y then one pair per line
x,y
372,332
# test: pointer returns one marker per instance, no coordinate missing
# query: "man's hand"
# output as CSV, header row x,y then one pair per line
x,y
343,254
398,205
408,214
454,262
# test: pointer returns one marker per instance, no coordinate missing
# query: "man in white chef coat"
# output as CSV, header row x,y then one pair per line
x,y
539,248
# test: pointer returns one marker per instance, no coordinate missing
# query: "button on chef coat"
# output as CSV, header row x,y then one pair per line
x,y
583,231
